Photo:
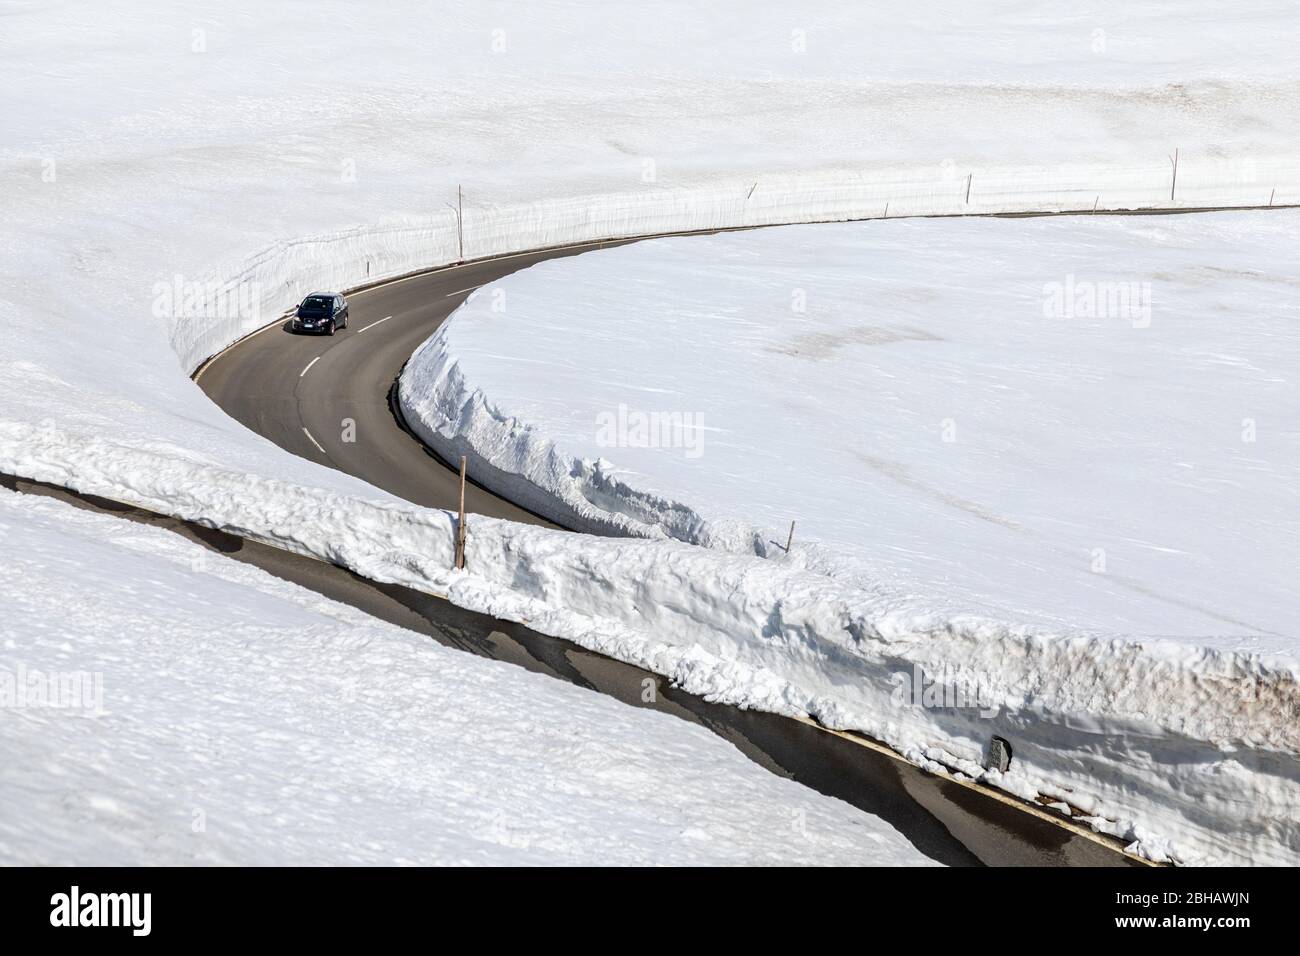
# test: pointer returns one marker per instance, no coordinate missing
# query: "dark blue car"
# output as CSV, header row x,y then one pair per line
x,y
324,312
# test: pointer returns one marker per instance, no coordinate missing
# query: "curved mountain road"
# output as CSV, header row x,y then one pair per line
x,y
300,391
327,398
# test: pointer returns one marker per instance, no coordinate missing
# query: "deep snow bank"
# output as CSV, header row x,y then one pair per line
x,y
1188,752
1075,422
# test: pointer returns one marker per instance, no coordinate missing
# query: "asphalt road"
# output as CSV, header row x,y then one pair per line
x,y
297,390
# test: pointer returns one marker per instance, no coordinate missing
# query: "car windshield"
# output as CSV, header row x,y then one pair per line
x,y
315,303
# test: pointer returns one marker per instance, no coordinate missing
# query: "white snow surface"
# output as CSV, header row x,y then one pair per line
x,y
200,148
915,394
240,719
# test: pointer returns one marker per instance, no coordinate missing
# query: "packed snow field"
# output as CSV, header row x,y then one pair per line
x,y
1087,423
176,176
182,708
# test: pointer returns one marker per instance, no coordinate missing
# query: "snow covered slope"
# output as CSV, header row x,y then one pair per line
x,y
203,711
199,146
1082,513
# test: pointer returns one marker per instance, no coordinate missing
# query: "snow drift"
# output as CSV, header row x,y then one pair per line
x,y
1188,753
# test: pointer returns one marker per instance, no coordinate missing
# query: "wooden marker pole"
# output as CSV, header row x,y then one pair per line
x,y
790,540
460,224
460,522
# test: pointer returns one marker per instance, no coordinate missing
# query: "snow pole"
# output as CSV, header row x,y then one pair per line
x,y
460,521
460,223
790,540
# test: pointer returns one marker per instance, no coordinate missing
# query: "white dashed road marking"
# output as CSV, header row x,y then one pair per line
x,y
373,324
313,440
309,365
